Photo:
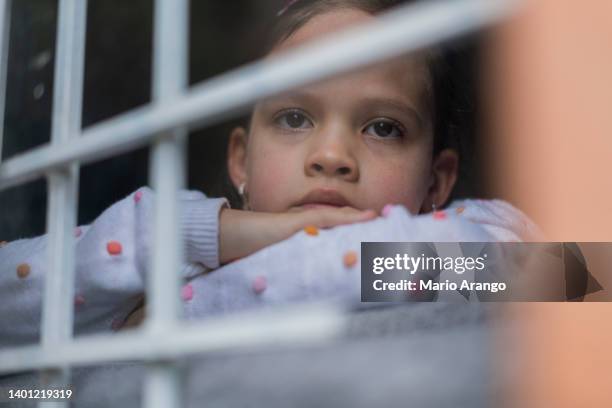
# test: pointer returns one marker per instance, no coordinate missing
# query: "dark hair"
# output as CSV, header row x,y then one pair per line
x,y
451,68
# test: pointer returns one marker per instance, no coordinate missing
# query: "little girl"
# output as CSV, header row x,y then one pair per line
x,y
364,150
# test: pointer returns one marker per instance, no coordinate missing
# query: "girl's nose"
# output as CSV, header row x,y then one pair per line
x,y
332,158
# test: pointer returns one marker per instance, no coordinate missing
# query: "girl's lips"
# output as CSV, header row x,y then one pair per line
x,y
317,205
324,197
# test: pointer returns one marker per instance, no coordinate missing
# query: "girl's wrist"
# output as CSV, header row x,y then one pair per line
x,y
242,233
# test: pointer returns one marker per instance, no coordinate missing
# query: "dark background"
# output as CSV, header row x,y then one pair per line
x,y
117,78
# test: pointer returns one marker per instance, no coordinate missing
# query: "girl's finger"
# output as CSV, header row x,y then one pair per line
x,y
332,217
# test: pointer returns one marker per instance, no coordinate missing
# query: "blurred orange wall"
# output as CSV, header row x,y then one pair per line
x,y
551,95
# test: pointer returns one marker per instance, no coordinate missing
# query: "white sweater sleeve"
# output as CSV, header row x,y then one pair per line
x,y
500,219
112,255
287,272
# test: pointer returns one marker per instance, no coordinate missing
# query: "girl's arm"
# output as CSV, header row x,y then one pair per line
x,y
112,255
245,232
327,265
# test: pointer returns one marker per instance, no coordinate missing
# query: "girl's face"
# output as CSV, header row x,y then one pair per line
x,y
362,140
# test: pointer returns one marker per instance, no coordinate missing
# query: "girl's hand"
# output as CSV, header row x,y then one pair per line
x,y
243,232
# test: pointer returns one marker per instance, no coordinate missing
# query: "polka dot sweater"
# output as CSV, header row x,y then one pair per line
x,y
112,255
113,252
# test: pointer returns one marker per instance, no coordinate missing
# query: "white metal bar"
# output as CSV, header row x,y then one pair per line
x,y
409,28
5,33
58,304
293,326
168,162
163,385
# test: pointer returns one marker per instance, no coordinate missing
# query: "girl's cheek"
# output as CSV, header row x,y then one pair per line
x,y
398,184
269,179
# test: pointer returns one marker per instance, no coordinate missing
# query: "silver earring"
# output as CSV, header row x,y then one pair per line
x,y
433,207
244,196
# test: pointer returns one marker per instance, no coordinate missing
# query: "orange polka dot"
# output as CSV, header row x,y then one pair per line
x,y
23,270
350,259
460,210
3,243
311,230
114,248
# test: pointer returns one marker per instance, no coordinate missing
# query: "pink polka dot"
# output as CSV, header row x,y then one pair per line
x,y
386,210
79,300
137,196
187,292
439,215
77,232
260,283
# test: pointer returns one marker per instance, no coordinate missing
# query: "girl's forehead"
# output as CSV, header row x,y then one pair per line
x,y
405,78
323,24
403,81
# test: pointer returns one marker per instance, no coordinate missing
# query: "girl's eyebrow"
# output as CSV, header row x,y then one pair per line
x,y
394,104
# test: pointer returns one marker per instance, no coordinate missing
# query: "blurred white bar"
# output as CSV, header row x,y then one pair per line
x,y
293,326
5,35
168,163
407,29
162,386
58,300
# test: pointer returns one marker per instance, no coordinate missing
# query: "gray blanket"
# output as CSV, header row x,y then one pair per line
x,y
417,355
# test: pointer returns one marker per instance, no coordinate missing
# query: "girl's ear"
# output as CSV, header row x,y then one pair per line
x,y
236,156
445,168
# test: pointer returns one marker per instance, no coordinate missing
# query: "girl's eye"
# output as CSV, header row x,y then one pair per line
x,y
385,129
293,120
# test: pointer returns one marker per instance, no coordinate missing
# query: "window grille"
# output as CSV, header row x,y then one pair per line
x,y
164,124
